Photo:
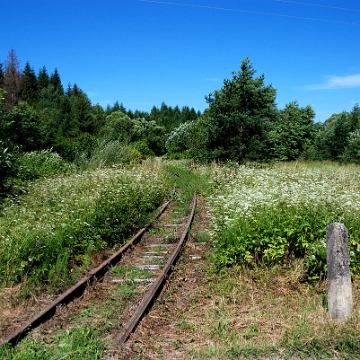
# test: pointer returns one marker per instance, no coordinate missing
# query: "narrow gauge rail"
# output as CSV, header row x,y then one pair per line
x,y
98,274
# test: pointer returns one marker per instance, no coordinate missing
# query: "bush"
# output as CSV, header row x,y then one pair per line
x,y
143,148
114,153
8,159
43,163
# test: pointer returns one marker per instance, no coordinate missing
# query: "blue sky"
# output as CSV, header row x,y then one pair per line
x,y
144,52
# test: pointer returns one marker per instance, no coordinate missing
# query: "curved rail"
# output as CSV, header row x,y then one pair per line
x,y
157,285
78,289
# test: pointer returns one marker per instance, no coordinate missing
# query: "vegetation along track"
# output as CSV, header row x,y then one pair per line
x,y
152,253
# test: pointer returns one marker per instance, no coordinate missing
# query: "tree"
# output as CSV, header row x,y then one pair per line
x,y
118,107
1,74
118,126
337,135
82,112
239,113
354,118
56,82
294,132
352,151
29,85
25,129
43,79
11,81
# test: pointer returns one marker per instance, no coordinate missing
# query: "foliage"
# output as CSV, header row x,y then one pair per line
x,y
113,153
239,112
352,151
119,127
275,215
40,164
24,129
277,236
333,136
171,118
177,141
49,233
80,343
29,85
293,132
143,148
8,159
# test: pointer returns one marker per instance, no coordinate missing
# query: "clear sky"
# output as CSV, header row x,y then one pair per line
x,y
145,52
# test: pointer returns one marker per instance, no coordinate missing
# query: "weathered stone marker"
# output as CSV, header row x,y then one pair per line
x,y
339,280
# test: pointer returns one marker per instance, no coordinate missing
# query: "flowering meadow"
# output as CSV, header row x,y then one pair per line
x,y
48,234
274,214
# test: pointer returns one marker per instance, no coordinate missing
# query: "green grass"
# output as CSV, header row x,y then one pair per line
x,y
76,344
268,240
131,273
49,234
266,313
276,214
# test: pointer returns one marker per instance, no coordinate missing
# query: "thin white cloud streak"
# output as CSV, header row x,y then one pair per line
x,y
337,82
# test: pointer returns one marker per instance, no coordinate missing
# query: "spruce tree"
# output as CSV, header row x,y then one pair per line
x,y
56,82
239,113
29,85
43,79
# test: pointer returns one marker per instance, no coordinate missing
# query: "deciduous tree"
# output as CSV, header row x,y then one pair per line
x,y
293,133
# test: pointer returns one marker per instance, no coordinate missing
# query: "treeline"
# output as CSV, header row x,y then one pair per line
x,y
38,113
242,123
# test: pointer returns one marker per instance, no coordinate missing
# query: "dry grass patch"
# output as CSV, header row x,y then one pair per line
x,y
269,313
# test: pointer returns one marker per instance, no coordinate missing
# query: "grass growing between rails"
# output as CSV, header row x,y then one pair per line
x,y
273,215
49,234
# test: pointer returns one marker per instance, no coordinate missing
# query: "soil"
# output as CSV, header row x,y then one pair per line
x,y
168,331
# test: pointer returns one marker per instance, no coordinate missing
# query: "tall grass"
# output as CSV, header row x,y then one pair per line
x,y
275,214
48,234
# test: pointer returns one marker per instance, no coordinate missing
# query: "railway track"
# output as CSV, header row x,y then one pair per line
x,y
153,251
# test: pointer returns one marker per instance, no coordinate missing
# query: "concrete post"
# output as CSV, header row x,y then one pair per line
x,y
339,280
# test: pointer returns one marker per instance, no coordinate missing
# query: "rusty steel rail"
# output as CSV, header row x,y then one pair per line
x,y
157,285
78,289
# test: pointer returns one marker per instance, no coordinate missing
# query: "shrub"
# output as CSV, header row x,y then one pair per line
x,y
114,153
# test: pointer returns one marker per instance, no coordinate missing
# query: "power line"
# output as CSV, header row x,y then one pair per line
x,y
318,5
247,11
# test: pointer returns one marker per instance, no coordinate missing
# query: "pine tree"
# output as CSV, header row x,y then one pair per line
x,y
239,113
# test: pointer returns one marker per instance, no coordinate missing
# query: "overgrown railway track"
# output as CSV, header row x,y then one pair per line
x,y
154,249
